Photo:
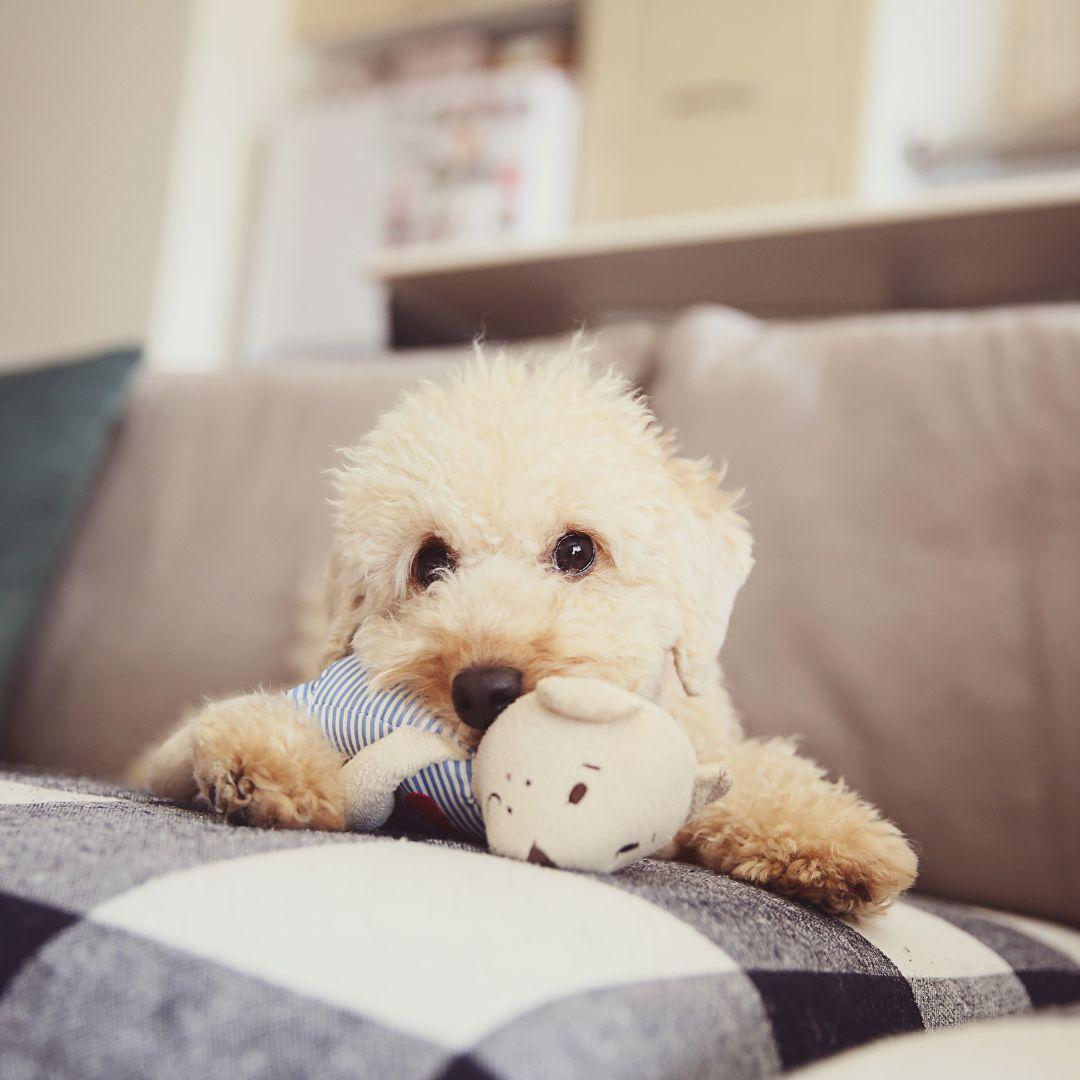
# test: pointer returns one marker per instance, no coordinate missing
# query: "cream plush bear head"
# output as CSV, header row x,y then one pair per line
x,y
583,775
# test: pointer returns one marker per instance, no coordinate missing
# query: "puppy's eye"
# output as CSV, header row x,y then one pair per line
x,y
574,553
432,561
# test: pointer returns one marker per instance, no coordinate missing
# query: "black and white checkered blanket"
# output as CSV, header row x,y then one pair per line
x,y
141,939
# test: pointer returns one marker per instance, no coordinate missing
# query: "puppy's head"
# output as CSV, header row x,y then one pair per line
x,y
525,520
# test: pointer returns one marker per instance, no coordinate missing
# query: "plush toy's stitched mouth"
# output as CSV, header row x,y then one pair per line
x,y
540,857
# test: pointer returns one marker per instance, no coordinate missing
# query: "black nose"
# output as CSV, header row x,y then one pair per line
x,y
479,694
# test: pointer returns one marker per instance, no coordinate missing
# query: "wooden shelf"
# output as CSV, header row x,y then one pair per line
x,y
1000,242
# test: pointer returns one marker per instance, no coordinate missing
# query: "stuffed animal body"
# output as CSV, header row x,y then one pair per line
x,y
355,717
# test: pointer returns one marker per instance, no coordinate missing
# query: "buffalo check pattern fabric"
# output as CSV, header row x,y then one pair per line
x,y
139,938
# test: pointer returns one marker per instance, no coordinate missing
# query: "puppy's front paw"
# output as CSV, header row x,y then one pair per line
x,y
257,763
861,876
786,827
253,785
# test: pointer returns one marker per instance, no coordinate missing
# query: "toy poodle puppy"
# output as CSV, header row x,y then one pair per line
x,y
526,519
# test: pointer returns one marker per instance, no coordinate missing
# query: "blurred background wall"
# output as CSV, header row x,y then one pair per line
x,y
228,180
90,94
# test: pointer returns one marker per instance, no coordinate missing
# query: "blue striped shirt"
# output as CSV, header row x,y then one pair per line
x,y
352,715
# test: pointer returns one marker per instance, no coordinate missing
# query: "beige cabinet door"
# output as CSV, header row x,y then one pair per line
x,y
1039,59
695,105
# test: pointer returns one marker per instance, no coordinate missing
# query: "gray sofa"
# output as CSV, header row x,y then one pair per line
x,y
913,482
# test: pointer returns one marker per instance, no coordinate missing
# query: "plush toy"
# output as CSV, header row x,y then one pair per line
x,y
582,775
578,774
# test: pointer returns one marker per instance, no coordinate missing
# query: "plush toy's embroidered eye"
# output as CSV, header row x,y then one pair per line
x,y
575,553
577,793
433,560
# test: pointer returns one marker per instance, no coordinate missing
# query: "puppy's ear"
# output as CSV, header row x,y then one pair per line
x,y
343,601
711,548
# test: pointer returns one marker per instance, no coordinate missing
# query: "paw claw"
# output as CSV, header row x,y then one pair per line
x,y
221,794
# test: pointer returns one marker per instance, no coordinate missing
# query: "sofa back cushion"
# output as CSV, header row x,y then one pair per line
x,y
185,579
913,483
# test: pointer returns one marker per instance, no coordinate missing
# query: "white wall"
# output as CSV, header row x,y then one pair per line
x,y
88,97
241,67
932,71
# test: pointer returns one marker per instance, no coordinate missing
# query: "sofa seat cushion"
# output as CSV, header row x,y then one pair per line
x,y
140,938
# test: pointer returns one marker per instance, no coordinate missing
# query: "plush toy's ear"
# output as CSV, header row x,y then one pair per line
x,y
711,546
343,601
586,699
710,783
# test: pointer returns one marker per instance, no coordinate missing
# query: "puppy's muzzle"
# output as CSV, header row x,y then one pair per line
x,y
479,694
